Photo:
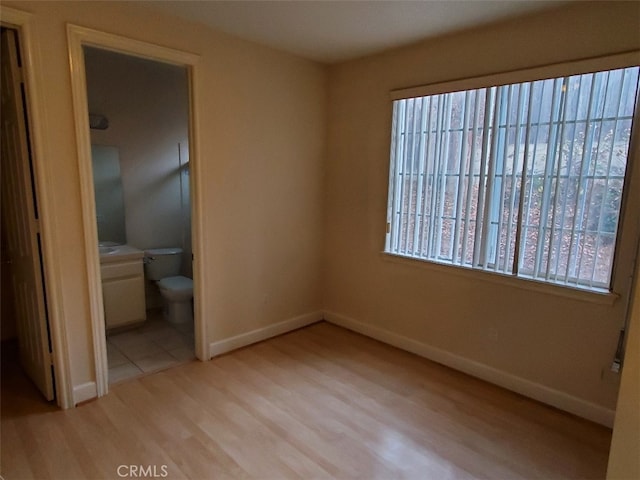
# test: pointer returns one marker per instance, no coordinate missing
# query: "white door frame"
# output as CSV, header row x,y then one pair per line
x,y
79,37
22,22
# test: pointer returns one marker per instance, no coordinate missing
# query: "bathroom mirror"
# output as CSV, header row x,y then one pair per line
x,y
108,190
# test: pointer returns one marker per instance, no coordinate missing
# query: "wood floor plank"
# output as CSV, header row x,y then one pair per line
x,y
15,464
204,437
228,421
90,426
276,418
138,445
329,443
455,391
342,419
437,435
317,403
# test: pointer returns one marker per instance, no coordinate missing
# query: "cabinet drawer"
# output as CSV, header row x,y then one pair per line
x,y
117,270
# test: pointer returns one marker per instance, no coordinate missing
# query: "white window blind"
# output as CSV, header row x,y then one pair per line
x,y
523,179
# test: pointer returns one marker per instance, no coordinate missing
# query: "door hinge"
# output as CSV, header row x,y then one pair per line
x,y
388,227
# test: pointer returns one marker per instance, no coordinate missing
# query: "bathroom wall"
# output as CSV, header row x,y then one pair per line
x,y
147,106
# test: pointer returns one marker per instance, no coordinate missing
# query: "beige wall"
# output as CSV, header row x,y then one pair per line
x,y
262,121
554,341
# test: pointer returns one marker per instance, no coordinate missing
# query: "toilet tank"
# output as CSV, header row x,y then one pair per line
x,y
160,263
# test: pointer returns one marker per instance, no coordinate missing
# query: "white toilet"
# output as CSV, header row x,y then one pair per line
x,y
162,265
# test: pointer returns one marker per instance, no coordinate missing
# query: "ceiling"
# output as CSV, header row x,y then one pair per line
x,y
333,31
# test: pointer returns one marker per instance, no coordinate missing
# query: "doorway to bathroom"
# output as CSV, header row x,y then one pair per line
x,y
134,107
139,128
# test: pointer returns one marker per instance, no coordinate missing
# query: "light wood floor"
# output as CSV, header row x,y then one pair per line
x,y
321,402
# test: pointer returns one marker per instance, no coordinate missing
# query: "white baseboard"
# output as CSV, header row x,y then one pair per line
x,y
84,392
244,339
542,393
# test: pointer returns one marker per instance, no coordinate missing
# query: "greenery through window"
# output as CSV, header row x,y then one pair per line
x,y
523,179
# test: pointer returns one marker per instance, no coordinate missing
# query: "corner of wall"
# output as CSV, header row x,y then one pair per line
x,y
536,391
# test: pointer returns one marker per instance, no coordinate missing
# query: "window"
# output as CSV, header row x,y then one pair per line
x,y
523,179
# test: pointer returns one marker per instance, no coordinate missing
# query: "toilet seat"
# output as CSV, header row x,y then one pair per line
x,y
177,284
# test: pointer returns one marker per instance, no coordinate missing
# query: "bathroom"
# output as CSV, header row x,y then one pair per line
x,y
139,118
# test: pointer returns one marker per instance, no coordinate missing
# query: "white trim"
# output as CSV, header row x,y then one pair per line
x,y
254,336
22,21
536,391
586,65
130,46
197,218
78,37
87,200
566,291
84,391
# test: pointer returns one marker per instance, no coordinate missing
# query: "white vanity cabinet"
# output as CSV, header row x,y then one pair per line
x,y
123,287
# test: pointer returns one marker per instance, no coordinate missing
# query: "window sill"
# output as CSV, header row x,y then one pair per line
x,y
602,298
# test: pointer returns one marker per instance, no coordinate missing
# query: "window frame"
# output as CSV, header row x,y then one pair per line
x,y
628,231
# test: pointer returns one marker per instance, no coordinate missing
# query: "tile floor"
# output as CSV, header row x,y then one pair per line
x,y
153,346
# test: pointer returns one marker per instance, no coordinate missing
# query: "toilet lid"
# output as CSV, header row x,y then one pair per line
x,y
176,283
